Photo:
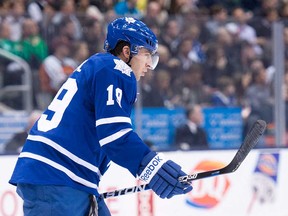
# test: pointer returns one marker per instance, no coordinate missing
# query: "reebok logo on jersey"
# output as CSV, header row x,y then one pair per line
x,y
123,67
151,169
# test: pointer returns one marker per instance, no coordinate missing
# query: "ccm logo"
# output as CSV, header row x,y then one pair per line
x,y
188,177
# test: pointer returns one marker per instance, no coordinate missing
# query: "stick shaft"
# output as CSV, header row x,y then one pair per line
x,y
250,141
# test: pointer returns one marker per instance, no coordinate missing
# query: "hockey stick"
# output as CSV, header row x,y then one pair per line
x,y
250,141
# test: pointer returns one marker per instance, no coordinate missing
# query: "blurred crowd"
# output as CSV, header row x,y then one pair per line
x,y
212,52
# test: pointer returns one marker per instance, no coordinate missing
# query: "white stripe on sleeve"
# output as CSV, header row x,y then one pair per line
x,y
114,136
117,119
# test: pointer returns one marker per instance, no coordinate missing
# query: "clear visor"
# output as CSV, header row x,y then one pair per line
x,y
154,61
151,58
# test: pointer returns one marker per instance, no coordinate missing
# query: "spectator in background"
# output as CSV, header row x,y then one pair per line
x,y
35,10
156,90
190,88
35,49
247,55
64,35
15,19
31,47
104,5
266,5
87,11
241,30
225,39
191,135
11,72
258,64
167,62
155,14
149,92
217,65
48,29
127,8
4,9
259,97
6,43
196,53
218,18
283,12
171,35
68,10
225,95
242,82
180,7
110,14
52,73
15,144
93,35
184,57
80,54
163,84
232,49
263,25
230,52
155,28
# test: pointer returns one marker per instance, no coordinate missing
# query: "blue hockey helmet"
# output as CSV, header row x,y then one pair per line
x,y
132,31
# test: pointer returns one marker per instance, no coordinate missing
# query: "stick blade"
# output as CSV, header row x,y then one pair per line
x,y
250,141
253,136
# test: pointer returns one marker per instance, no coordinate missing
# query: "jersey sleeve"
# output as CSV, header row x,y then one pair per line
x,y
115,94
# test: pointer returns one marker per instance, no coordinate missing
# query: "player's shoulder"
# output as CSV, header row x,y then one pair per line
x,y
107,62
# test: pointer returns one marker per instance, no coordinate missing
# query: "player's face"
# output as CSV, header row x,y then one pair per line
x,y
141,62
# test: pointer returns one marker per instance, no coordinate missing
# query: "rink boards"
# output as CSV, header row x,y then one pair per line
x,y
258,188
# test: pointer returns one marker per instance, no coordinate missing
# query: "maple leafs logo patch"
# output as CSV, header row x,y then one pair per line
x,y
130,19
123,67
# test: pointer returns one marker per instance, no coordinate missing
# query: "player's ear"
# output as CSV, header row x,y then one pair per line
x,y
126,52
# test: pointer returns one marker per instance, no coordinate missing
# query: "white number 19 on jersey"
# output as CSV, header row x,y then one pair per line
x,y
58,106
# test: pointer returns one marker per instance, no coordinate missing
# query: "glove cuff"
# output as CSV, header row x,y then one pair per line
x,y
151,169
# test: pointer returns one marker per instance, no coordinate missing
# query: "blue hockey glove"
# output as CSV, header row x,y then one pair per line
x,y
162,176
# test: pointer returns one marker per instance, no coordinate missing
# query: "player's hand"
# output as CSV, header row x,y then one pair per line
x,y
162,176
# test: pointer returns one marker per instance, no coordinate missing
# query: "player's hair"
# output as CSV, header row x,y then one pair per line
x,y
118,48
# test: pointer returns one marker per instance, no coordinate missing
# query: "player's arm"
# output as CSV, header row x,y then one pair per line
x,y
114,96
124,146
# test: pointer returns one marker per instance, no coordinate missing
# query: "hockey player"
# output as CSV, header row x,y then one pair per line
x,y
87,125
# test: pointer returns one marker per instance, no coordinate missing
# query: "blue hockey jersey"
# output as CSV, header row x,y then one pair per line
x,y
85,127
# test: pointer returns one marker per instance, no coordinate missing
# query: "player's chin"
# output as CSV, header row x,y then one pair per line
x,y
142,74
